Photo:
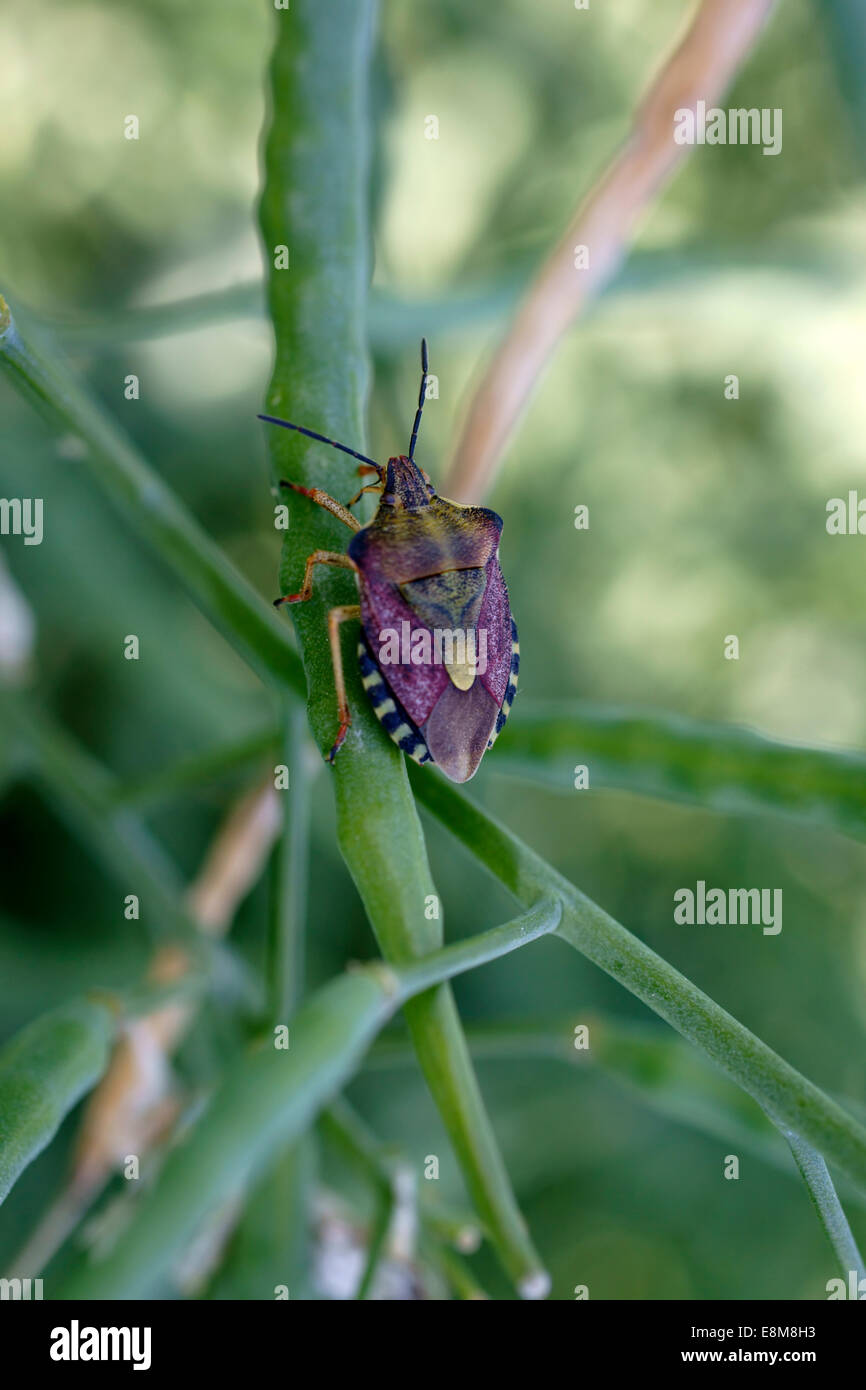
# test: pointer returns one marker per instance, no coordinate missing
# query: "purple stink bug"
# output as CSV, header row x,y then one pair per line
x,y
438,646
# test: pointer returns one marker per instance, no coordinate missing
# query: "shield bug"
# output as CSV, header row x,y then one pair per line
x,y
438,646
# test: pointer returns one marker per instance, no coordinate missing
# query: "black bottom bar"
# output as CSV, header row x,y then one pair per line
x,y
231,1338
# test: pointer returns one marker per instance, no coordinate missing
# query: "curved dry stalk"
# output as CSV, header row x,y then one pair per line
x,y
130,1106
718,40
235,858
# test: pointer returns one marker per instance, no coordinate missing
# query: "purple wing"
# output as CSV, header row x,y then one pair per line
x,y
456,725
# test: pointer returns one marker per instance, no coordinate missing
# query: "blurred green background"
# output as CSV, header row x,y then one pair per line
x,y
707,518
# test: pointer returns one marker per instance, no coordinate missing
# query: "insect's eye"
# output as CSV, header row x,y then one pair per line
x,y
389,499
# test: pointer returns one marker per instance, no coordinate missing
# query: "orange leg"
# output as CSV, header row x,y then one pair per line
x,y
324,499
318,557
370,487
335,617
363,472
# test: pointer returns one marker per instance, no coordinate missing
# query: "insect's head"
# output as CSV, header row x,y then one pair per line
x,y
403,483
406,485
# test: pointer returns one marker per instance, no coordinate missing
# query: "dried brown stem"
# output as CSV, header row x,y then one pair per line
x,y
717,42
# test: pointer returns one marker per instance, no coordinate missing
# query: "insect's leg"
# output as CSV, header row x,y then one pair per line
x,y
370,487
324,499
364,471
318,557
335,617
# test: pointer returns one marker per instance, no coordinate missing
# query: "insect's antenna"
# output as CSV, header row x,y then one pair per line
x,y
311,434
413,441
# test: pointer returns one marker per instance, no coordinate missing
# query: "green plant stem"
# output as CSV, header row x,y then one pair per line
x,y
717,766
314,204
222,593
270,1246
814,1172
659,1069
350,1136
790,1100
540,920
457,1273
385,1206
348,1133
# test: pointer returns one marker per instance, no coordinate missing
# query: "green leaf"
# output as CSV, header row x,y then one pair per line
x,y
44,1071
